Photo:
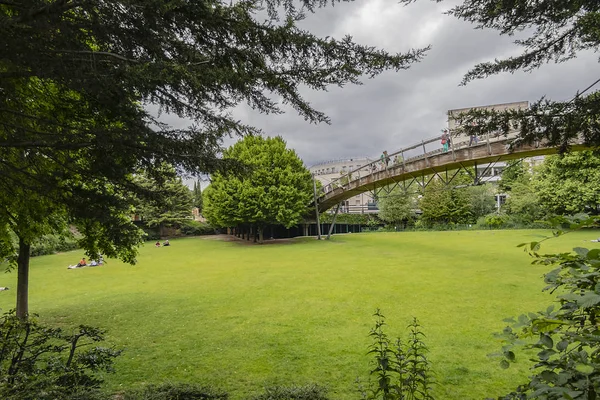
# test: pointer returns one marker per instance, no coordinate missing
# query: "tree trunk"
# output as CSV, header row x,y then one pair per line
x,y
161,230
260,234
23,280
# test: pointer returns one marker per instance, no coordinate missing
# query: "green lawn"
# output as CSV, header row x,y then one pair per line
x,y
241,317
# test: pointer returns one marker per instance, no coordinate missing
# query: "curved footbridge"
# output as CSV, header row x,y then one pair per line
x,y
423,167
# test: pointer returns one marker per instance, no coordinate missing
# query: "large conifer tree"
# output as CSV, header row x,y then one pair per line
x,y
77,78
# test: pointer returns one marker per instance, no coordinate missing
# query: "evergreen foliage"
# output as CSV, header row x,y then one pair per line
x,y
197,196
77,79
171,202
555,31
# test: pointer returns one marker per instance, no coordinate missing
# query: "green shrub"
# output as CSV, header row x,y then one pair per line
x,y
306,392
195,228
507,221
152,234
39,362
174,391
50,244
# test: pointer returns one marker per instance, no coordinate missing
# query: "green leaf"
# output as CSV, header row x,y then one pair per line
x,y
581,251
504,364
544,355
510,355
589,299
549,376
562,345
546,340
593,254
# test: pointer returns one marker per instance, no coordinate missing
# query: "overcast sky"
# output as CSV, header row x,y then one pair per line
x,y
397,109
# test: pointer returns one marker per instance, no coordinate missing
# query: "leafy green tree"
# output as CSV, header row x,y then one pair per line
x,y
276,189
569,184
197,196
444,204
482,200
514,170
523,202
171,202
74,76
556,31
397,206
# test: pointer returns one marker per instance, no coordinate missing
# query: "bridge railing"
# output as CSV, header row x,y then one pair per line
x,y
410,154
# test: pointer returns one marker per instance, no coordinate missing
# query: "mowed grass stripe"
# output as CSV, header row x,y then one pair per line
x,y
241,317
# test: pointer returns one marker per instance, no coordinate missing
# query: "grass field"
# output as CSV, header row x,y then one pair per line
x,y
241,317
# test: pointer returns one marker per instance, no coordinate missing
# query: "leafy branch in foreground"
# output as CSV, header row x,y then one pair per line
x,y
567,363
402,369
40,362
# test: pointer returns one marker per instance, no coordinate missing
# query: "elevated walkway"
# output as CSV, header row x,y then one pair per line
x,y
375,175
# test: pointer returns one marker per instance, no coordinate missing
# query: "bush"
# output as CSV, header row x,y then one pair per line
x,y
195,228
175,391
307,392
507,221
50,244
39,362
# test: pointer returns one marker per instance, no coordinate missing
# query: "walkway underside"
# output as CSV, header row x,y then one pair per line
x,y
438,163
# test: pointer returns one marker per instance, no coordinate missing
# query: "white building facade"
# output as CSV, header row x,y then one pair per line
x,y
327,172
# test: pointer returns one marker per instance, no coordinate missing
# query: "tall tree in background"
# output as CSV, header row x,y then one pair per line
x,y
171,201
482,200
75,77
397,207
444,204
555,31
276,190
197,196
513,171
569,184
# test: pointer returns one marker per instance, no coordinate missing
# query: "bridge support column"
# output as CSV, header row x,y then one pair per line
x,y
333,221
316,208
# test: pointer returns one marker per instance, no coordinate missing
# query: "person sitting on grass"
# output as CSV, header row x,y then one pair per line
x,y
157,244
80,264
166,242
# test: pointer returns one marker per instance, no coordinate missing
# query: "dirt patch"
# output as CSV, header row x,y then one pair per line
x,y
231,238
